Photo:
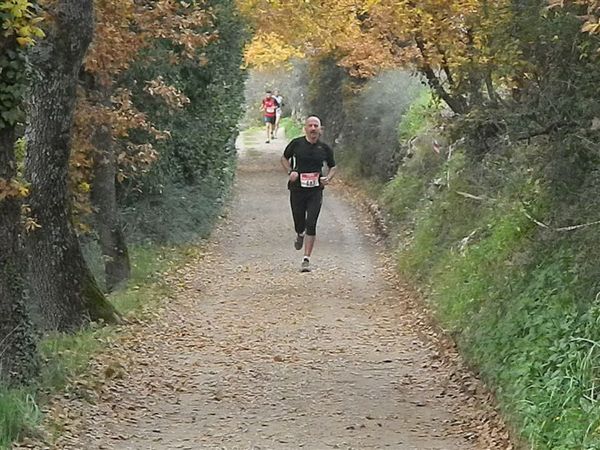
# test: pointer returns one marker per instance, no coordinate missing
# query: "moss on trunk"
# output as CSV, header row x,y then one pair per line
x,y
97,305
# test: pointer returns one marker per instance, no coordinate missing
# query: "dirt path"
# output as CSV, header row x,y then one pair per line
x,y
252,354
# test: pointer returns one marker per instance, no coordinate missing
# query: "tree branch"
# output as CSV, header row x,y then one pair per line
x,y
457,103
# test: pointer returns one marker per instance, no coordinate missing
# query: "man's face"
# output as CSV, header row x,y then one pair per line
x,y
268,95
312,128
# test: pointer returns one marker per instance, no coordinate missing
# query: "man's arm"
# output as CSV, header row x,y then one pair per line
x,y
330,160
330,174
292,174
286,159
285,162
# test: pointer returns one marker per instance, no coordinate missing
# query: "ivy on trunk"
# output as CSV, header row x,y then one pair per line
x,y
64,292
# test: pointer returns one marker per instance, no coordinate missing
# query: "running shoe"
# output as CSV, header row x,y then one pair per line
x,y
299,241
305,267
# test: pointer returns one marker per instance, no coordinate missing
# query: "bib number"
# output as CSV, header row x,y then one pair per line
x,y
270,109
309,180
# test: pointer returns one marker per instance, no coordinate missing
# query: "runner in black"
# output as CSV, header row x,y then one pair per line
x,y
303,159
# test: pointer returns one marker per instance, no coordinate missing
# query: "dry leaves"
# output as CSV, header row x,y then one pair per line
x,y
250,352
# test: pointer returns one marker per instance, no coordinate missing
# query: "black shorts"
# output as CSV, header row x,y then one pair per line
x,y
306,206
269,119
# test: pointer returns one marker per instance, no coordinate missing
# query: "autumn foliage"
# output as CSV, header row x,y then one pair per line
x,y
466,50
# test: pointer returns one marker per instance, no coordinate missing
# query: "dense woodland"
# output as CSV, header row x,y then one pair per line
x,y
108,114
474,123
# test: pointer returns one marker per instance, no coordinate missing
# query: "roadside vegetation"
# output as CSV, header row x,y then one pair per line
x,y
67,357
151,98
519,298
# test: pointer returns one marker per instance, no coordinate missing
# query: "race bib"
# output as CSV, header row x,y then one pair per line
x,y
308,180
270,109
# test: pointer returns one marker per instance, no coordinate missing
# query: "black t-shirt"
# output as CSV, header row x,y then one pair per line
x,y
308,158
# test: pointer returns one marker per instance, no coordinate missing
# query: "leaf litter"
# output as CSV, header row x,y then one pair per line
x,y
249,353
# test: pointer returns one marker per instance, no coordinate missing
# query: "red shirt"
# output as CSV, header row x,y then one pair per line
x,y
269,106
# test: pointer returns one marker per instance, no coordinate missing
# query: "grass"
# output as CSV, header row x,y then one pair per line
x,y
417,117
402,206
513,302
66,356
19,413
293,129
521,301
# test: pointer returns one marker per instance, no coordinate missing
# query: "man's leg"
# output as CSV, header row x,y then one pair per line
x,y
277,119
313,208
298,202
309,243
268,128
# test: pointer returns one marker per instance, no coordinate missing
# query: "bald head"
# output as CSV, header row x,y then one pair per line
x,y
312,119
312,129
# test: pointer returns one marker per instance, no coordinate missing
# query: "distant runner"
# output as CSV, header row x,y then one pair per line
x,y
279,99
303,159
269,107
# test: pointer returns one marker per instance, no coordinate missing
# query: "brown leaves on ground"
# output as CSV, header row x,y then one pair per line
x,y
251,353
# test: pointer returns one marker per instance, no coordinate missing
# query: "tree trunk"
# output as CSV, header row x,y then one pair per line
x,y
104,200
67,296
18,352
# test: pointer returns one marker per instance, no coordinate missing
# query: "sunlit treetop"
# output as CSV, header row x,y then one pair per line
x,y
368,35
269,50
435,31
312,28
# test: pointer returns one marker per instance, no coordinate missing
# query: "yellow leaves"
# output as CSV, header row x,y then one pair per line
x,y
16,189
365,56
20,21
369,35
23,190
311,28
30,31
84,186
368,4
591,27
13,189
269,50
24,41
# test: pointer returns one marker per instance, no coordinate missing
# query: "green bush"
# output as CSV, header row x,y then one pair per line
x,y
417,116
195,166
518,298
292,128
